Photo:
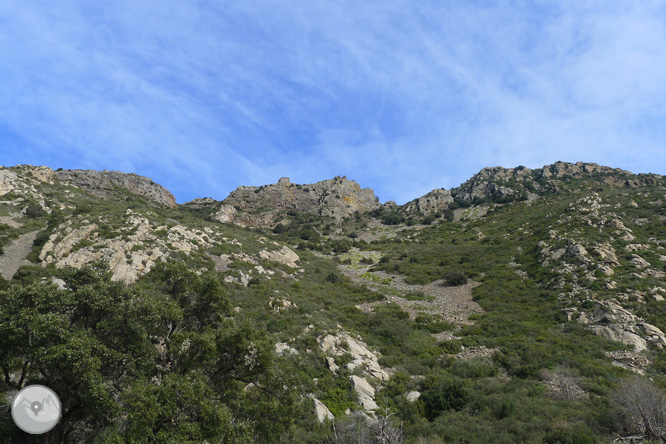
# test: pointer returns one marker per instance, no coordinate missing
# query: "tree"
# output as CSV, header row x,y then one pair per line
x,y
162,361
644,406
359,428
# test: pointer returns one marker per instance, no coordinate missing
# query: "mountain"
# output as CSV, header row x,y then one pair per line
x,y
265,206
525,305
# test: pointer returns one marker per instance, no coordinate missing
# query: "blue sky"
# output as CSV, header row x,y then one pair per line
x,y
401,96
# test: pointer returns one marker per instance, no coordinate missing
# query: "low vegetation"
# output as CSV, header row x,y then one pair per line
x,y
192,353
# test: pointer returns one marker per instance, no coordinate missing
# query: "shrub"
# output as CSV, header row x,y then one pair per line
x,y
449,395
333,277
451,347
644,405
393,218
34,210
428,219
455,278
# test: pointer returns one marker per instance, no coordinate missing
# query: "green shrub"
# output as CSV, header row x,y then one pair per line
x,y
451,347
393,218
333,277
455,278
428,219
34,210
448,395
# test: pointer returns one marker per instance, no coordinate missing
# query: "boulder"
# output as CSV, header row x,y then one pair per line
x,y
606,253
283,256
577,251
226,214
639,261
618,333
365,392
361,355
654,334
330,363
413,396
282,348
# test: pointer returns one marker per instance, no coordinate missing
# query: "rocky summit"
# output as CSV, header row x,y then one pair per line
x,y
524,305
266,205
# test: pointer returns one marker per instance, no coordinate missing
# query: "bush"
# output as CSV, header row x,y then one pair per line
x,y
333,278
34,210
565,436
451,347
449,395
393,218
428,219
455,278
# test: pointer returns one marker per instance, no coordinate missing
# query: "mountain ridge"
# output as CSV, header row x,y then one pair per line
x,y
523,295
489,182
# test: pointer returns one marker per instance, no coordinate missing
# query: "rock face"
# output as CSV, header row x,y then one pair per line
x,y
619,324
365,392
362,357
261,206
8,181
23,179
101,183
618,333
322,412
133,252
432,202
283,256
506,184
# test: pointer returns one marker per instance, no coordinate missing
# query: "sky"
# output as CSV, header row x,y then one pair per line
x,y
402,96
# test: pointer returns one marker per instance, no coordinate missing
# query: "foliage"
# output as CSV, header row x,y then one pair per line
x,y
455,278
159,363
34,210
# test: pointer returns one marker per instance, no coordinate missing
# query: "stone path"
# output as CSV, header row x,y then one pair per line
x,y
15,254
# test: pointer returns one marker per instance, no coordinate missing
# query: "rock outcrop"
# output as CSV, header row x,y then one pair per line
x,y
102,183
134,250
322,412
434,201
362,357
365,393
261,206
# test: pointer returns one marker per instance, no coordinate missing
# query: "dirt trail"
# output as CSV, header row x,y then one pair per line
x,y
15,254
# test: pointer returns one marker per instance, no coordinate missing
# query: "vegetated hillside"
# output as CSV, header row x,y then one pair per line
x,y
523,306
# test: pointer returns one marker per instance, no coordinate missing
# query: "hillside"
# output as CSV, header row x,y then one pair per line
x,y
517,307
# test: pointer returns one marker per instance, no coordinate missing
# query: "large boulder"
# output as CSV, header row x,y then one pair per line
x,y
365,392
618,333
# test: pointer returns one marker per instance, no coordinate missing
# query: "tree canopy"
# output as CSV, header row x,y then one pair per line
x,y
161,361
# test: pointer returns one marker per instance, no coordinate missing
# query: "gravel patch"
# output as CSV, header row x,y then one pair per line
x,y
454,304
15,254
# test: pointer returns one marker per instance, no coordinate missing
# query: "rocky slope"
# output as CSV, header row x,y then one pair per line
x,y
102,183
265,206
498,184
365,302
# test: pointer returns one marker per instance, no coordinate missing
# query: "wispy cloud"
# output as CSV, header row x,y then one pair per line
x,y
400,96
